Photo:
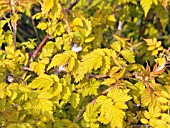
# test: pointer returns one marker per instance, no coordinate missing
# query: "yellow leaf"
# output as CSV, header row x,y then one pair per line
x,y
59,59
155,2
165,117
77,22
109,81
165,94
154,52
160,48
150,48
42,25
111,18
89,39
149,42
146,5
162,100
46,6
147,114
71,63
144,121
158,44
128,55
116,46
164,107
38,68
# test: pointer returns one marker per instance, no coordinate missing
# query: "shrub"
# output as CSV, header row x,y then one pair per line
x,y
84,63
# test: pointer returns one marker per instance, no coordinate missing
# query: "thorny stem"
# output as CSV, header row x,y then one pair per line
x,y
78,117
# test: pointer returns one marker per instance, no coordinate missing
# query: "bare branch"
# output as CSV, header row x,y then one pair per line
x,y
79,115
71,6
38,49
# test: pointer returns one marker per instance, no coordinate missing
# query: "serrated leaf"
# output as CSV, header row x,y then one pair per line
x,y
89,39
109,81
128,55
122,41
116,46
59,59
162,100
155,2
71,63
74,100
145,99
106,65
111,18
42,25
154,52
90,61
165,94
91,88
146,5
150,48
147,115
158,44
165,117
90,115
46,6
118,95
38,67
144,121
89,27
77,22
45,95
41,82
66,93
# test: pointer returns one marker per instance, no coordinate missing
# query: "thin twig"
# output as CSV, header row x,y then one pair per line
x,y
38,49
35,30
65,18
92,102
71,6
14,26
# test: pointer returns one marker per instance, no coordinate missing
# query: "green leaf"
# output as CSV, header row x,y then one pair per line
x,y
74,100
128,55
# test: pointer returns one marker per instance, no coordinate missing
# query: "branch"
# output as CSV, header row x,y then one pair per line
x,y
38,49
71,6
14,26
92,102
65,18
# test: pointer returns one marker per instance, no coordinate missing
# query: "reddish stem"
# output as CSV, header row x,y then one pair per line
x,y
38,49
